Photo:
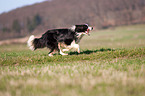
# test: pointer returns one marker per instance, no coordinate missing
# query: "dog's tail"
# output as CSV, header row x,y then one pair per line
x,y
34,43
30,42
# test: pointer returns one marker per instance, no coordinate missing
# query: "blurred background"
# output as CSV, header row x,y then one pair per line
x,y
36,16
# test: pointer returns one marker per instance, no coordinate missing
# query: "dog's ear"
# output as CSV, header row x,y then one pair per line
x,y
73,28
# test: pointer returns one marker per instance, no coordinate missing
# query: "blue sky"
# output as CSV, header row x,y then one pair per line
x,y
8,5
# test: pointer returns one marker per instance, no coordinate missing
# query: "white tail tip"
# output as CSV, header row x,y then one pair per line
x,y
30,42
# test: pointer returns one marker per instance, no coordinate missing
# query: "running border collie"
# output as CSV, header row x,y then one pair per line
x,y
60,38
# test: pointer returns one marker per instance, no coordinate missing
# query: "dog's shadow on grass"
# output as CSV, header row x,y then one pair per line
x,y
91,51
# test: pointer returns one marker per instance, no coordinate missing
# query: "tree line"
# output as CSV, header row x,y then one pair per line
x,y
31,24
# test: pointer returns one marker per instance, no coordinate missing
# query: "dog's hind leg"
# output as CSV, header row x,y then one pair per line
x,y
59,48
50,53
74,46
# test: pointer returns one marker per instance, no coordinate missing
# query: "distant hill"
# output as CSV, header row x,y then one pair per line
x,y
38,18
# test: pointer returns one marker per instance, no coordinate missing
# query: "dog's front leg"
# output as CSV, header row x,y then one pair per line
x,y
77,47
65,50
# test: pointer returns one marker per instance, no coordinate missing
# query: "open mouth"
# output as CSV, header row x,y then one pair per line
x,y
87,32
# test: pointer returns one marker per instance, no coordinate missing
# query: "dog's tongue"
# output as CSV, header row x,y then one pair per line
x,y
88,31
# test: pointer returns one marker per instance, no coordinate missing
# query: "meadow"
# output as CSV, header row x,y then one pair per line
x,y
111,63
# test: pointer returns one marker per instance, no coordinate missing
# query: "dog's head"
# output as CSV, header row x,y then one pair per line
x,y
85,29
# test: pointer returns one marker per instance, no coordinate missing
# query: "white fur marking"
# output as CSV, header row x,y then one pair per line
x,y
73,28
59,46
51,55
65,50
30,42
90,28
76,46
62,53
73,45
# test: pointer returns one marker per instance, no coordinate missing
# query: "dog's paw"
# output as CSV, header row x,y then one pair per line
x,y
65,50
64,54
50,55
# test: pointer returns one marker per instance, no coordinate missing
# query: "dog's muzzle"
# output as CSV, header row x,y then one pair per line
x,y
88,30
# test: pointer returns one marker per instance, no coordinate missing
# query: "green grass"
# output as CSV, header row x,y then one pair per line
x,y
111,63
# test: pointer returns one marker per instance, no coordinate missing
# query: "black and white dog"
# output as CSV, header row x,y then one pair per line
x,y
60,38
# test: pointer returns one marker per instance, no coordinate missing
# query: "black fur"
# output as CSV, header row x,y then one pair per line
x,y
51,38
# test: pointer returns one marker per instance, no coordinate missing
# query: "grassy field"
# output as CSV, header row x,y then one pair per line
x,y
111,63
